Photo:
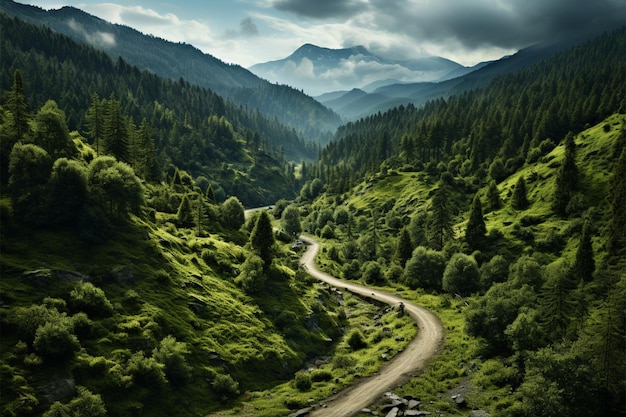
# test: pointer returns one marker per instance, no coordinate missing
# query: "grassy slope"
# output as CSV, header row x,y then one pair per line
x,y
449,373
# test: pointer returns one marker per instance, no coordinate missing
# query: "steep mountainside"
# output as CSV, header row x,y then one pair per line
x,y
177,61
319,70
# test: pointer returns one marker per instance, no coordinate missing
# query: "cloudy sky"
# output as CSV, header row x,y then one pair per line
x,y
247,32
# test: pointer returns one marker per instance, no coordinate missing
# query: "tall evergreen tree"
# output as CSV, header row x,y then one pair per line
x,y
404,250
584,265
476,229
94,120
116,131
493,196
440,218
262,238
519,201
567,177
184,215
148,165
18,107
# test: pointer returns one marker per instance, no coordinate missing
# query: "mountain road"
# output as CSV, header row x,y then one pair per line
x,y
412,360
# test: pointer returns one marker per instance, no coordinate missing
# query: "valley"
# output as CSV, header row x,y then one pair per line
x,y
455,241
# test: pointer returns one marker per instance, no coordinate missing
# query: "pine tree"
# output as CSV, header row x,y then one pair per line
x,y
148,164
584,266
440,219
567,177
493,196
210,194
116,131
476,229
94,119
404,250
262,238
18,107
519,201
184,215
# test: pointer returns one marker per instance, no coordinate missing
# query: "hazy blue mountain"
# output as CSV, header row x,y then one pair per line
x,y
457,81
318,70
178,60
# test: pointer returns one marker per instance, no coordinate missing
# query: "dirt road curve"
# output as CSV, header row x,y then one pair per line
x,y
425,345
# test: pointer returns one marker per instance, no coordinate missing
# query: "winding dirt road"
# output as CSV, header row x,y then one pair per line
x,y
412,360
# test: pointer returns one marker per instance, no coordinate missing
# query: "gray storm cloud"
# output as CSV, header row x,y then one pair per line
x,y
473,24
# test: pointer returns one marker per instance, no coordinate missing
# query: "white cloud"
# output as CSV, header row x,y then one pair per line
x,y
97,39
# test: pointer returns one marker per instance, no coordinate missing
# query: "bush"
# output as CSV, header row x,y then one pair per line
x,y
55,340
86,404
147,371
90,299
172,355
251,279
356,340
461,275
225,386
302,381
343,362
321,375
372,273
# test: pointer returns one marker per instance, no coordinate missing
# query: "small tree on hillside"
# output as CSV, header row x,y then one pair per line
x,y
262,238
461,275
291,221
404,250
440,218
567,177
519,201
476,229
184,215
493,196
233,214
584,265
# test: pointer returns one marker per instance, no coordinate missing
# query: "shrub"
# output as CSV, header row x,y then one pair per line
x,y
321,375
343,362
356,340
461,275
302,381
86,404
90,299
327,232
172,355
147,371
225,386
251,278
372,273
55,340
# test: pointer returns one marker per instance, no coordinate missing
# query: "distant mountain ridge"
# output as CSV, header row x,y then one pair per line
x,y
176,60
353,106
319,70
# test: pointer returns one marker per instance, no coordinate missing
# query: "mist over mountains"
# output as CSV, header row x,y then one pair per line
x,y
318,70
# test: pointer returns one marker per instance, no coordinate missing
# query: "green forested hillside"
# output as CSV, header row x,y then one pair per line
x,y
517,117
174,61
132,283
236,149
508,203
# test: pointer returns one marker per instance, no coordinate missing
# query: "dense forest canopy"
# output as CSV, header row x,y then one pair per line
x,y
518,116
194,129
